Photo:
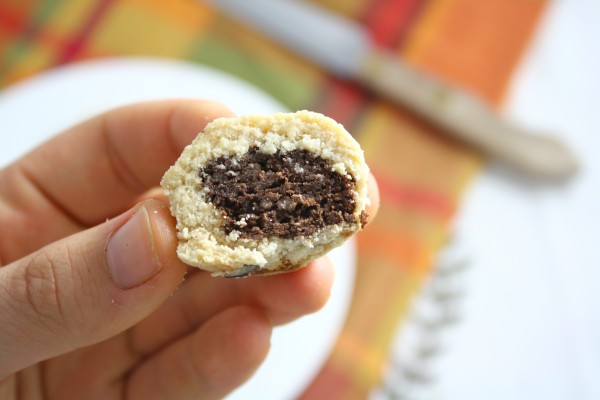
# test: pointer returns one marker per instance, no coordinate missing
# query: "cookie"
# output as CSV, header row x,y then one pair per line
x,y
265,194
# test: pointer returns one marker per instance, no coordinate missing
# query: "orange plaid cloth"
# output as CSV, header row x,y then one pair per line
x,y
422,174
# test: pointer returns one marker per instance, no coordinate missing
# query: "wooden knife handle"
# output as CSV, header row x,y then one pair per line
x,y
468,118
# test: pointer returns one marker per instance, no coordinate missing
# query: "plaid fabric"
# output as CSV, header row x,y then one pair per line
x,y
422,174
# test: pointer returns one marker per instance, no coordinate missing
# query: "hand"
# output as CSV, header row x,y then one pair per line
x,y
93,306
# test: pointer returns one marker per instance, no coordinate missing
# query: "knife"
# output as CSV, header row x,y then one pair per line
x,y
345,48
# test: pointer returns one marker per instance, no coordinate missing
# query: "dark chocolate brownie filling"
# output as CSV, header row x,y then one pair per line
x,y
284,195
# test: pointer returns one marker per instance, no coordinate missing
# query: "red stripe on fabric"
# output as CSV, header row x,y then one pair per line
x,y
10,21
388,20
77,44
343,102
395,193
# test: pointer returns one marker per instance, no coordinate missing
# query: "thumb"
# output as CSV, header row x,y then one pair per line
x,y
88,287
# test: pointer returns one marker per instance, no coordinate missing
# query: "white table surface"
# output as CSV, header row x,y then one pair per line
x,y
530,317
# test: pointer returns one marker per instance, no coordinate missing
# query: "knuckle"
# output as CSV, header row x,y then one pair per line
x,y
38,287
51,291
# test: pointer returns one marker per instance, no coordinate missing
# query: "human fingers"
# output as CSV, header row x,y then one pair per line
x,y
282,298
95,170
207,364
373,193
87,287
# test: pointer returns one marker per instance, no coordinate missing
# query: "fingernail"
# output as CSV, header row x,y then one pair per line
x,y
130,254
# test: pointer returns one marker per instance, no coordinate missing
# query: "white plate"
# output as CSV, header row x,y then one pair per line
x,y
36,109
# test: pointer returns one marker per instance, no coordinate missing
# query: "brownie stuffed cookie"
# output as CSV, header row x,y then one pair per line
x,y
265,194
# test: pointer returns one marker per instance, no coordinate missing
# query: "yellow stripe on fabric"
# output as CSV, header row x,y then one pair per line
x,y
366,307
357,360
472,166
133,30
35,59
395,304
67,19
193,15
363,347
370,129
388,323
438,238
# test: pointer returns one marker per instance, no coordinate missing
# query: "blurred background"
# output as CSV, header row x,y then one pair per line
x,y
476,280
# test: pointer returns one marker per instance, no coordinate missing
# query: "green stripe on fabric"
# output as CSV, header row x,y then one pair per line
x,y
294,93
20,46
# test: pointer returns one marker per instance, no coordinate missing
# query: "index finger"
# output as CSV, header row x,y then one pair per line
x,y
98,168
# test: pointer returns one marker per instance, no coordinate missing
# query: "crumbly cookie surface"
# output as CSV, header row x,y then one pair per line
x,y
263,194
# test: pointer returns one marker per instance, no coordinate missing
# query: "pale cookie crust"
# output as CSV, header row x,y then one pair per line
x,y
202,241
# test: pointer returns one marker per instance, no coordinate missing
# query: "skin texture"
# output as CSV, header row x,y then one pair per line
x,y
94,303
